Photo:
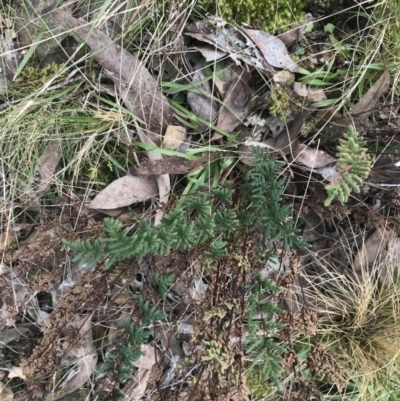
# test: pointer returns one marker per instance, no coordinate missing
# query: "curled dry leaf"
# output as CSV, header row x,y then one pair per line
x,y
237,105
125,191
312,158
137,88
273,50
202,105
174,137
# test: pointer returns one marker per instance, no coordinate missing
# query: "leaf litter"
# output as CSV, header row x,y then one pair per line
x,y
239,95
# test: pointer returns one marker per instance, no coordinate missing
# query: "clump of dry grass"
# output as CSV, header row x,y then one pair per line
x,y
359,311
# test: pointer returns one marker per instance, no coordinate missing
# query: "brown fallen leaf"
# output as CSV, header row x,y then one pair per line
x,y
273,50
125,191
47,164
136,86
174,136
170,165
237,105
312,158
163,180
363,108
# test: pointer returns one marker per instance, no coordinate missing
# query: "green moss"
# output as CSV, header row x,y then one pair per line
x,y
270,15
34,77
259,389
283,102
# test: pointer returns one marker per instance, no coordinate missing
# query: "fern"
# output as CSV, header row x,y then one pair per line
x,y
264,351
162,283
354,165
264,190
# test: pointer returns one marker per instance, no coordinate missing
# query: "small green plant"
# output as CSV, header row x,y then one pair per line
x,y
354,164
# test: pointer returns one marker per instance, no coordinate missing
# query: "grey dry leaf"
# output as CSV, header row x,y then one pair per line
x,y
312,158
125,191
237,105
174,136
136,86
273,50
202,105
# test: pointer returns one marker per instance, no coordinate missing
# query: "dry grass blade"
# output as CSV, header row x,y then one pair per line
x,y
359,314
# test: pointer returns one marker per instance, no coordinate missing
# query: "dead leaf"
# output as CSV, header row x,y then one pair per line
x,y
229,40
163,180
6,393
273,50
136,387
16,371
28,197
136,86
125,191
315,95
81,360
287,142
174,136
237,105
300,89
47,164
371,248
202,105
169,165
210,53
312,158
363,108
329,173
8,335
150,357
